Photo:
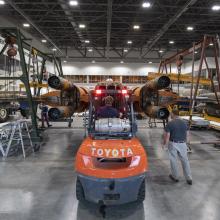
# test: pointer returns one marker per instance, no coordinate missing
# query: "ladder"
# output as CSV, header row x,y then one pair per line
x,y
19,132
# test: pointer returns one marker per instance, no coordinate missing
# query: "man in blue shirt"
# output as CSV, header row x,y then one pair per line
x,y
108,111
175,137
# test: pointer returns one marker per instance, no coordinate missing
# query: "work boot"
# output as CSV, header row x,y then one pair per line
x,y
189,182
173,179
49,126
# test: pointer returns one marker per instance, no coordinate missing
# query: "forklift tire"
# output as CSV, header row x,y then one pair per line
x,y
141,193
79,191
3,115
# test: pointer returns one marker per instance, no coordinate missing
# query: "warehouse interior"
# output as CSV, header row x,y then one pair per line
x,y
62,62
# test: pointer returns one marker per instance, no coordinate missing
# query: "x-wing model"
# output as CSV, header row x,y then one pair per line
x,y
151,98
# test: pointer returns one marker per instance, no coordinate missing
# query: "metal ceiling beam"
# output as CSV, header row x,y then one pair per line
x,y
94,14
29,20
73,23
117,52
111,59
166,26
155,60
163,5
92,11
109,25
68,13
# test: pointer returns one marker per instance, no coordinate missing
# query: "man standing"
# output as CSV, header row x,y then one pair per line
x,y
175,137
44,115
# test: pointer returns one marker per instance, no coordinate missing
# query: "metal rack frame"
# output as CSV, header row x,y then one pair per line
x,y
22,44
24,78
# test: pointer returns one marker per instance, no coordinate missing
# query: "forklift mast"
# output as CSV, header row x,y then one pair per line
x,y
116,128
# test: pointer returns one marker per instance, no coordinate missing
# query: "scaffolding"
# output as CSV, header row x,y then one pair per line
x,y
38,73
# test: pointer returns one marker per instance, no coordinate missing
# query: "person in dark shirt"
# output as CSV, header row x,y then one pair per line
x,y
175,137
108,111
44,115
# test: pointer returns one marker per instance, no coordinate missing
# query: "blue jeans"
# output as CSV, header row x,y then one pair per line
x,y
44,117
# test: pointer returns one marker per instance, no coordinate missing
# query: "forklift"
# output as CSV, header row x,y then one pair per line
x,y
111,163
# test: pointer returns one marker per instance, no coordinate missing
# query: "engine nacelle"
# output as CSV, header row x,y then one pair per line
x,y
146,98
157,112
60,83
72,98
60,112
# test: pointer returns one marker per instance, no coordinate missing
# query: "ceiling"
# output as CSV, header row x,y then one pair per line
x,y
109,25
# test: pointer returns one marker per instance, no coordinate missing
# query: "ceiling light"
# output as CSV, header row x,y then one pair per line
x,y
129,42
44,41
190,28
26,25
90,50
196,51
54,49
2,2
122,61
171,42
65,61
216,7
160,51
146,4
87,41
150,62
136,27
82,26
211,44
93,61
73,3
125,50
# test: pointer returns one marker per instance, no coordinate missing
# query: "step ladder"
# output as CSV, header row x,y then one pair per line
x,y
19,132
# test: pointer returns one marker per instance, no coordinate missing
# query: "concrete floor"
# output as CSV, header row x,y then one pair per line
x,y
42,187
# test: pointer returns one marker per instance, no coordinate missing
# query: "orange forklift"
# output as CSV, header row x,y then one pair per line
x,y
111,163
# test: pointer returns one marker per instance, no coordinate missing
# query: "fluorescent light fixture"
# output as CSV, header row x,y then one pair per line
x,y
44,41
146,4
160,51
2,2
87,41
190,28
82,26
125,50
54,49
73,3
122,61
150,62
65,61
90,49
93,61
26,25
216,7
136,27
171,42
129,42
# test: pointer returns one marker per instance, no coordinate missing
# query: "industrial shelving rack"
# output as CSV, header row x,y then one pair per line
x,y
23,43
